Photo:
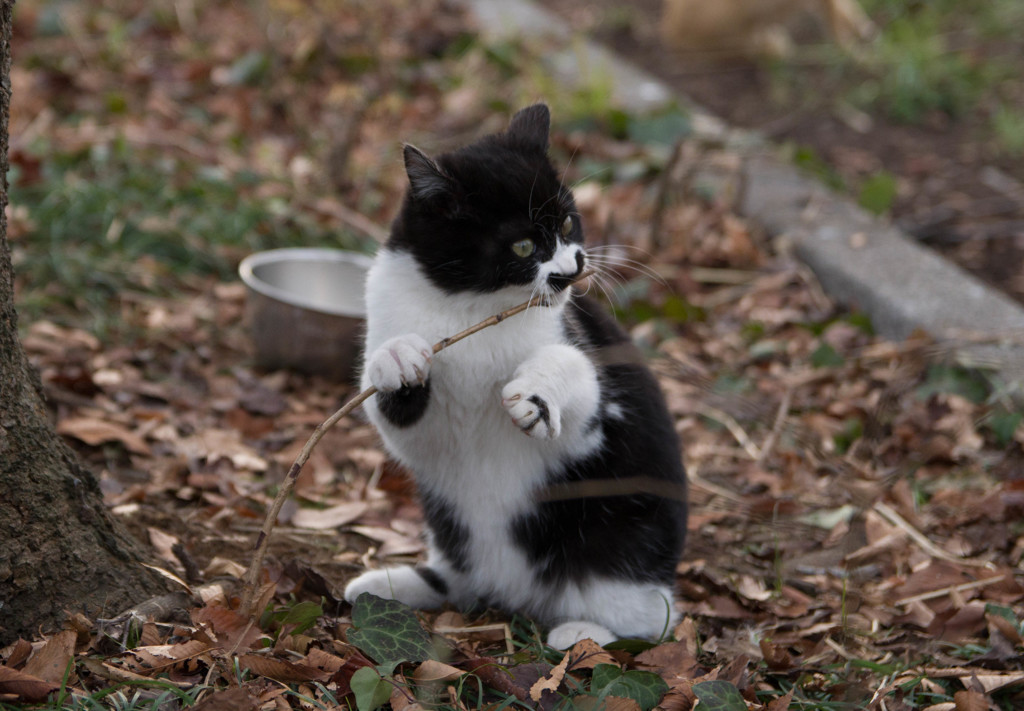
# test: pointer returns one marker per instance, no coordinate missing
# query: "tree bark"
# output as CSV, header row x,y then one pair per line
x,y
60,550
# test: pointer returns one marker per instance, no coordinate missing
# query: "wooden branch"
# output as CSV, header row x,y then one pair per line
x,y
250,583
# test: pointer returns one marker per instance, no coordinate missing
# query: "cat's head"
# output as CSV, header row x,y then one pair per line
x,y
492,214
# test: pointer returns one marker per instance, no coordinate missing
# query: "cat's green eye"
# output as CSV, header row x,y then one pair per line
x,y
566,225
524,247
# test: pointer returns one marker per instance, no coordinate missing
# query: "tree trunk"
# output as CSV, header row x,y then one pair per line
x,y
60,550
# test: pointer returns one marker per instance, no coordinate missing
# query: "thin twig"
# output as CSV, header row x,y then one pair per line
x,y
734,428
250,582
353,219
662,199
890,515
942,592
780,419
591,488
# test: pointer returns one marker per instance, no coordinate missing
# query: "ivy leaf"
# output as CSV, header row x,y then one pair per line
x,y
825,356
719,696
1005,612
628,644
646,688
371,689
604,674
388,631
955,380
302,616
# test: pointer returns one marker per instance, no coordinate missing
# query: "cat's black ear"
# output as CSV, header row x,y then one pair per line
x,y
532,126
425,177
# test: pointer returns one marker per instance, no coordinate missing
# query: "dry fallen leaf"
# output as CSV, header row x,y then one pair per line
x,y
236,699
157,658
280,670
234,633
587,654
51,662
163,543
970,700
213,445
18,652
402,698
552,681
991,683
431,672
782,703
332,517
672,661
94,432
393,542
25,686
324,660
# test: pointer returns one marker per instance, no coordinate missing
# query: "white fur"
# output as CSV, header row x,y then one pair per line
x,y
400,583
402,360
563,261
469,447
565,379
567,634
614,411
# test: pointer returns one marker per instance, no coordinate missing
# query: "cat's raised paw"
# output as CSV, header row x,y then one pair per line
x,y
400,361
532,413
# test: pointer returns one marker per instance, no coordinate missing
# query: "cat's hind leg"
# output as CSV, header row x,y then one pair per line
x,y
420,587
606,610
567,634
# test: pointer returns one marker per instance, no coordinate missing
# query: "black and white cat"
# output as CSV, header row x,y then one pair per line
x,y
545,457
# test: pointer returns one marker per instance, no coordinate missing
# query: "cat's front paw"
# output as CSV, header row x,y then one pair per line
x,y
400,361
533,413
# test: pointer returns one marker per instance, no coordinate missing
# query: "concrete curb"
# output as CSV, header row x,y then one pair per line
x,y
860,260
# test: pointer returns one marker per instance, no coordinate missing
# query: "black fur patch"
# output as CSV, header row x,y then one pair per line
x,y
543,414
624,535
405,406
432,578
449,533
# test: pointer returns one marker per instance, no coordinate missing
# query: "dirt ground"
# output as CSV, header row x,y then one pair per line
x,y
855,535
958,192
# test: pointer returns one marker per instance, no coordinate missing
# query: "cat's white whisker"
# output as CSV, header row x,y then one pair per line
x,y
618,261
590,175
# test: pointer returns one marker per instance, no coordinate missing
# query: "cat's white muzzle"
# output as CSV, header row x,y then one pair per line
x,y
559,272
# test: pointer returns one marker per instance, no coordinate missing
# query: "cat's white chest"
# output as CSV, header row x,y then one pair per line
x,y
466,450
465,441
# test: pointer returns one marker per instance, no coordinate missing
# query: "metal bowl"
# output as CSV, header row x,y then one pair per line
x,y
306,310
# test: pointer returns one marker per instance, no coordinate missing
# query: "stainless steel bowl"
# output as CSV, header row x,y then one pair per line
x,y
306,310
